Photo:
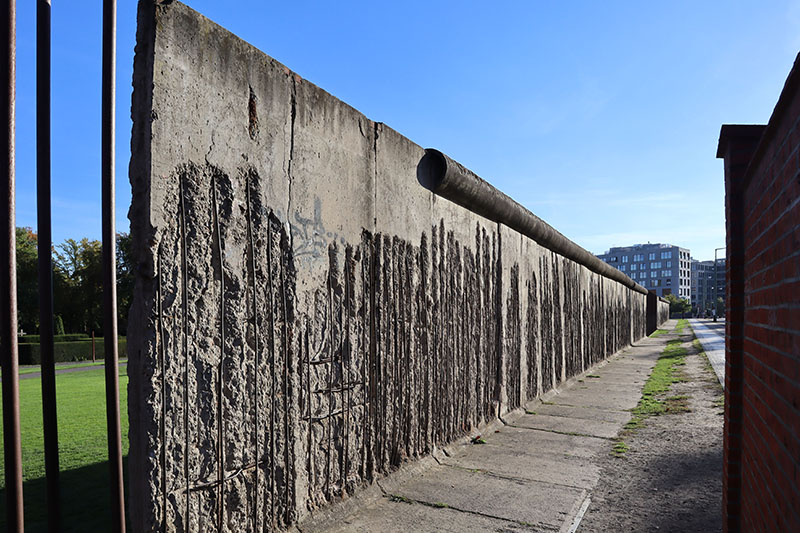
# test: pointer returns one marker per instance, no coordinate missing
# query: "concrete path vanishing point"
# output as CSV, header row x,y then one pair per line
x,y
536,471
712,336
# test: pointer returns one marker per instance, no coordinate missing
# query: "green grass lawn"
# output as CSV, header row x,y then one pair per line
x,y
82,450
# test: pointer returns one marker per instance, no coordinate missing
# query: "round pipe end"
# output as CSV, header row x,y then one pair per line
x,y
431,169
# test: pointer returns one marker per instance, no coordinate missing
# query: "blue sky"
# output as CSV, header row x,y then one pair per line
x,y
600,117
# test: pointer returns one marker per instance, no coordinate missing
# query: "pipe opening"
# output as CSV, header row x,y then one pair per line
x,y
431,169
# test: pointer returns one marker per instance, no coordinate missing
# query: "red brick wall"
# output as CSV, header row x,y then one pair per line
x,y
762,414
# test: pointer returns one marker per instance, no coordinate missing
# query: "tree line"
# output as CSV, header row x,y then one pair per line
x,y
77,284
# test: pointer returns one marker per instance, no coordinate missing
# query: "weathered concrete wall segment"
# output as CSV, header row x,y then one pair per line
x,y
307,316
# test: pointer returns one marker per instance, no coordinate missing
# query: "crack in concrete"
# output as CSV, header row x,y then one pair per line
x,y
570,433
376,134
210,147
440,505
289,177
510,478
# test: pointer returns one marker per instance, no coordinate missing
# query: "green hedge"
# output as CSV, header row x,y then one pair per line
x,y
30,353
70,337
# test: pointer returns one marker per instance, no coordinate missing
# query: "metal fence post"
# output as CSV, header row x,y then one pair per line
x,y
45,241
12,445
109,268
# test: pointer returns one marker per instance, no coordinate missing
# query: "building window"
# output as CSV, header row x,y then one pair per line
x,y
666,255
669,281
622,267
653,274
668,264
638,257
633,266
651,256
654,283
612,259
624,258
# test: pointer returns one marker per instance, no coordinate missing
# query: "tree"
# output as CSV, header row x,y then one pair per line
x,y
79,292
79,296
77,283
59,325
27,280
125,280
677,305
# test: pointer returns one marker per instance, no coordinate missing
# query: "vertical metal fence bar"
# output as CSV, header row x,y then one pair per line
x,y
109,268
44,228
12,446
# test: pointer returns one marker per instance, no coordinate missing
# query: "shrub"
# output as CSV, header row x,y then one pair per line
x,y
30,353
69,337
59,325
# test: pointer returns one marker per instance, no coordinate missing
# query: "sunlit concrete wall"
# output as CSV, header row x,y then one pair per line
x,y
307,317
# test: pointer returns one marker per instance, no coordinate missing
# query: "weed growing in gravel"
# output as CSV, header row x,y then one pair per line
x,y
664,374
682,323
712,376
720,401
659,332
676,404
619,449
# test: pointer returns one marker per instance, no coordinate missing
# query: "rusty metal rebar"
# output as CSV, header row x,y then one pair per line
x,y
12,445
45,239
110,269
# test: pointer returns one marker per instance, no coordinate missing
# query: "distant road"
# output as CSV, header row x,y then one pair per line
x,y
712,336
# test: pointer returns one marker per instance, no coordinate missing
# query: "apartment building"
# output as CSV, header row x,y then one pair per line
x,y
663,268
704,289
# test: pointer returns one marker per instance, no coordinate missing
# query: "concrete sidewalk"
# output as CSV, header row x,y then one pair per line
x,y
535,472
712,336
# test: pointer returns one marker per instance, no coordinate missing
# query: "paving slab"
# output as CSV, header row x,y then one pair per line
x,y
529,502
583,413
619,400
400,517
539,441
538,464
564,424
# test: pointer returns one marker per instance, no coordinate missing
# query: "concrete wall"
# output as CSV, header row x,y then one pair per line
x,y
663,311
761,484
307,317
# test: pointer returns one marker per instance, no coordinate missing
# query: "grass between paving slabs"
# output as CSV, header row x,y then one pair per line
x,y
83,451
654,401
